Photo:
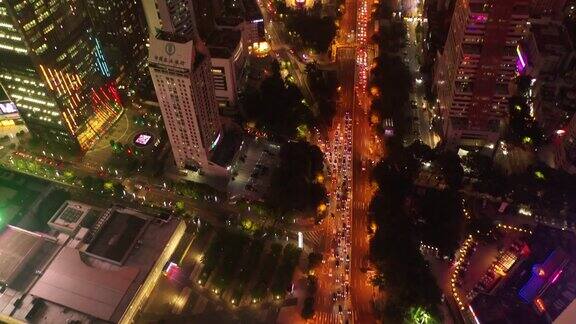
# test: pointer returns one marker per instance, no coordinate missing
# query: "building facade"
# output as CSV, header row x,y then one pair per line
x,y
565,147
551,64
474,71
228,56
205,12
181,72
54,68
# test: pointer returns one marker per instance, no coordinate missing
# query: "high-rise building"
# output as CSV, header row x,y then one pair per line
x,y
228,57
181,72
547,8
121,27
473,73
551,64
55,70
205,21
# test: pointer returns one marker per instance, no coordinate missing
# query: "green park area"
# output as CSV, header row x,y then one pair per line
x,y
17,194
231,263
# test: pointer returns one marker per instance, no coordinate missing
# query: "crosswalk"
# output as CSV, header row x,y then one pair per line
x,y
334,318
314,239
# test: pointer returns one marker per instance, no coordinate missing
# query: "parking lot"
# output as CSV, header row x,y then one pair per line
x,y
251,172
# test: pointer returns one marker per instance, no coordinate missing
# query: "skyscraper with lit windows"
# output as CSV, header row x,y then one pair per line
x,y
55,70
181,72
474,71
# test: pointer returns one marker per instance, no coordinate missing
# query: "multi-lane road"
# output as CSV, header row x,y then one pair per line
x,y
363,147
352,59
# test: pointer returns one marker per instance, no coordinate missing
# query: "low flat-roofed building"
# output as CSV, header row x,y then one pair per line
x,y
94,280
541,289
70,282
17,247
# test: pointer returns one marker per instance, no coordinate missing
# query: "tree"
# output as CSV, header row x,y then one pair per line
x,y
308,309
523,130
293,185
441,221
315,31
451,169
276,108
311,285
118,189
323,84
401,270
393,80
314,260
48,207
88,182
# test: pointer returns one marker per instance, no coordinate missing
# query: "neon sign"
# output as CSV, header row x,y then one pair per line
x,y
521,62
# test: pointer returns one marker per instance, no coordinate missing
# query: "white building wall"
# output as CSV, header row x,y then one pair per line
x,y
185,93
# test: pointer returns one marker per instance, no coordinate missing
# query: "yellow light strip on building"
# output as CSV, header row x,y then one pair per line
x,y
72,83
68,123
64,82
144,291
52,79
46,77
72,117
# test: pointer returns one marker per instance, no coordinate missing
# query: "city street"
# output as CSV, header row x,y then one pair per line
x,y
421,113
362,291
350,223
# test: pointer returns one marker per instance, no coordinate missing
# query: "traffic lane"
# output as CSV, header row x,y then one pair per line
x,y
361,289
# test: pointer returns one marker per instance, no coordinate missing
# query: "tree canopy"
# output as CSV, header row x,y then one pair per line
x,y
277,107
315,31
294,185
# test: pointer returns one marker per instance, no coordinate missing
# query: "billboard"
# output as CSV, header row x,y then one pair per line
x,y
8,107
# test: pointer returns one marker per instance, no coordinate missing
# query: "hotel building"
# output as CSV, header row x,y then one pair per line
x,y
181,72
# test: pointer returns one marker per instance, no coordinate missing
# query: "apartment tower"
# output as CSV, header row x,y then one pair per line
x,y
473,73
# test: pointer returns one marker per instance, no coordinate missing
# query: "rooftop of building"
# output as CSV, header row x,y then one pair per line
x,y
229,21
102,281
118,235
69,281
17,247
200,51
171,37
222,43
